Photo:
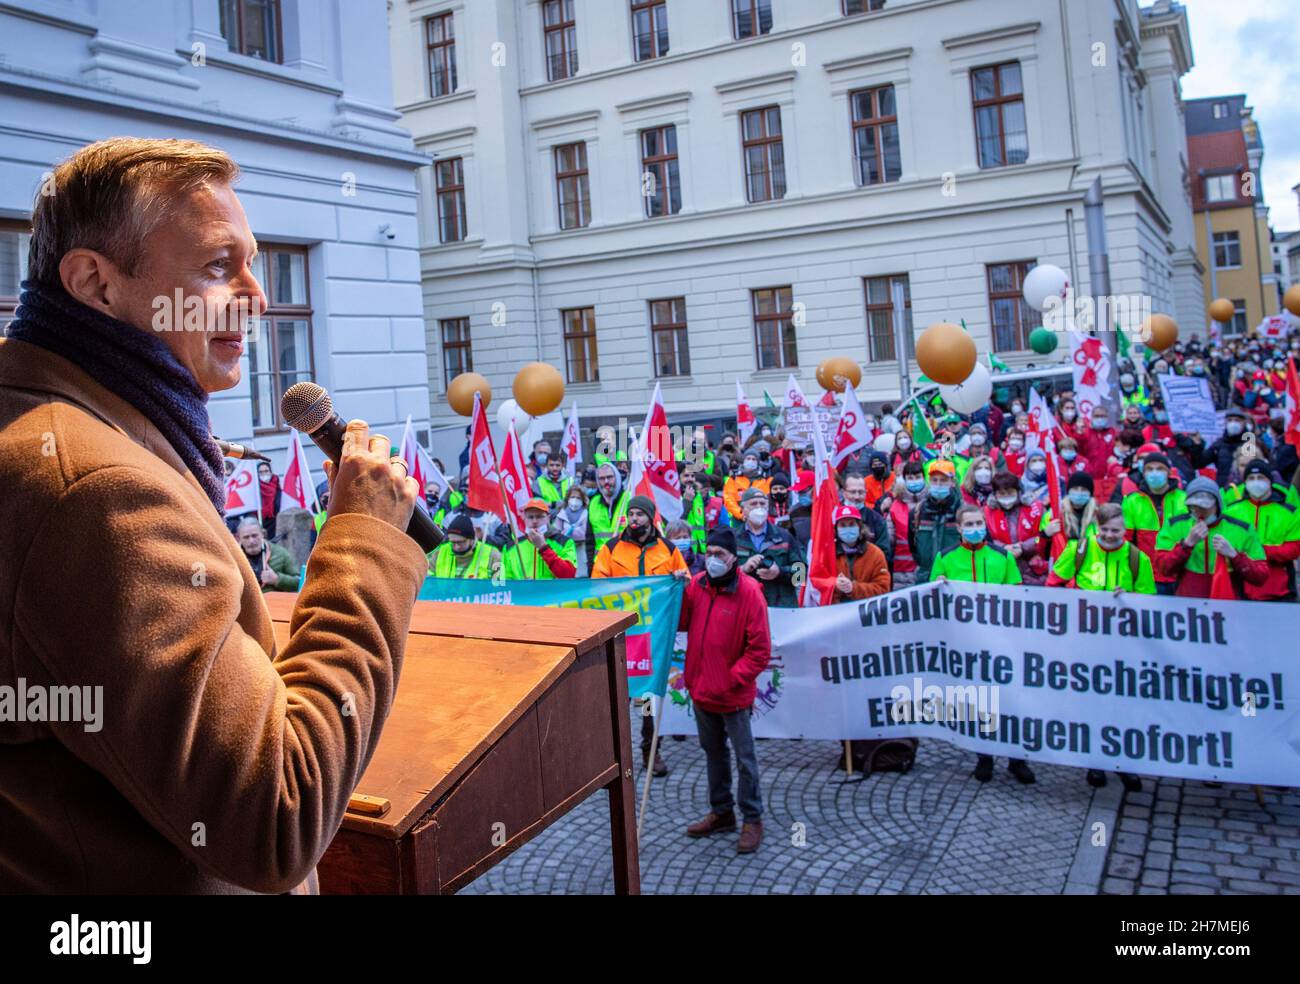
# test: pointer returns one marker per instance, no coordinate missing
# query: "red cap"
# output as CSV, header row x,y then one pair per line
x,y
845,512
804,480
1149,449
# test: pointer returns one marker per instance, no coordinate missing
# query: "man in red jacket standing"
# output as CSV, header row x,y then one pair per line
x,y
724,616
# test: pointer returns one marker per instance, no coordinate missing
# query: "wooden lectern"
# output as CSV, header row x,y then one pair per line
x,y
506,718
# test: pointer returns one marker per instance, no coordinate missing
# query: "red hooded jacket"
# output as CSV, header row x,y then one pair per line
x,y
728,643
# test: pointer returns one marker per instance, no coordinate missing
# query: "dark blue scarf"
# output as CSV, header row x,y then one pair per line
x,y
135,365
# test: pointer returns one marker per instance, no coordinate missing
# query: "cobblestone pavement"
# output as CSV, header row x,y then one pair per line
x,y
1186,838
933,831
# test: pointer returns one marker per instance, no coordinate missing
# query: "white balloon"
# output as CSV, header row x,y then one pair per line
x,y
509,410
970,394
884,443
1042,282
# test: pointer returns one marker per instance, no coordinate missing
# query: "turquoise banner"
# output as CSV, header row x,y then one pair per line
x,y
657,602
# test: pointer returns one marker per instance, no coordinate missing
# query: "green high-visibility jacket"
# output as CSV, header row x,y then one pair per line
x,y
443,562
986,564
709,460
551,491
696,520
523,561
1127,568
1203,557
604,522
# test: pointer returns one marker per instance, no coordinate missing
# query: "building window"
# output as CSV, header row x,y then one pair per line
x,y
1238,326
880,316
450,178
852,7
998,95
875,135
1011,317
649,29
15,239
661,183
561,36
252,27
764,154
580,345
1221,188
572,188
280,353
440,36
774,338
750,18
1227,250
457,355
668,337
1220,111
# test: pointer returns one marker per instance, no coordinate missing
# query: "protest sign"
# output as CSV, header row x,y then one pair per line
x,y
799,424
1189,405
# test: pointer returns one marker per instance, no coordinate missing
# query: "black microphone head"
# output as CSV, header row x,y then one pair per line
x,y
306,406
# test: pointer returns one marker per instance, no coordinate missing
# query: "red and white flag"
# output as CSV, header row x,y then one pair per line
x,y
745,419
1042,433
297,483
853,431
572,443
515,483
1292,403
654,464
1090,361
243,491
793,394
419,465
819,586
484,475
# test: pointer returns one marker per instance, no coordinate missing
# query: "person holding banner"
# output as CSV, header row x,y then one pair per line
x,y
1276,522
862,571
728,644
1189,547
1079,510
464,555
1146,507
1014,525
978,561
541,555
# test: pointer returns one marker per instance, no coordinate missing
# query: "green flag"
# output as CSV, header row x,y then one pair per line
x,y
768,402
1121,342
997,365
921,432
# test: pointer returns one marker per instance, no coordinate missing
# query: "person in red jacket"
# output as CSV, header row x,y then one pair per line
x,y
724,616
1097,442
1015,526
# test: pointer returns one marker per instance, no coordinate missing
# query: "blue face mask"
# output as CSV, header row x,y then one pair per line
x,y
940,492
914,485
1157,480
1079,498
974,536
683,545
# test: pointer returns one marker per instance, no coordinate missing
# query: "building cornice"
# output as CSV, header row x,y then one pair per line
x,y
992,34
865,61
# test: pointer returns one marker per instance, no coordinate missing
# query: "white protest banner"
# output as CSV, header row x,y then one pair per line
x,y
1190,406
799,424
1138,683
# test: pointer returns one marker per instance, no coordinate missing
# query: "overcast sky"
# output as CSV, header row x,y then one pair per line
x,y
1253,46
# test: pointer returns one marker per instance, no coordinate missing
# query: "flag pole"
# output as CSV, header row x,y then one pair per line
x,y
650,762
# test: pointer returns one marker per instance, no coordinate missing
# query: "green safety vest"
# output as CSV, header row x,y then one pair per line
x,y
1237,492
1140,511
603,524
987,564
1204,557
453,503
319,519
709,460
696,520
523,561
1274,520
444,563
1127,568
552,492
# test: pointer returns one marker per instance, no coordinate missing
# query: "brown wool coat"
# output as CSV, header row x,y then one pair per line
x,y
222,765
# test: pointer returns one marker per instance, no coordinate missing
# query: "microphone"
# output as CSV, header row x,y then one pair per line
x,y
306,407
231,450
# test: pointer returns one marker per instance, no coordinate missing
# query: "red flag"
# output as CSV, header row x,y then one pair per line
x,y
853,431
514,479
243,493
1043,429
654,464
484,477
297,484
745,419
1292,403
819,587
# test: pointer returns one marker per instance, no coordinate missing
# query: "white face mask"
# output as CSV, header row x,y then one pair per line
x,y
716,566
758,515
1008,501
983,476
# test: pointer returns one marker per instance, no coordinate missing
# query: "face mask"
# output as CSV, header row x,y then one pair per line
x,y
1015,445
1126,380
1079,498
1038,469
977,439
974,536
1017,408
1234,429
904,444
877,468
1008,501
1198,370
983,476
750,466
1100,423
805,499
1069,414
914,485
717,567
683,545
1259,488
1069,455
265,477
780,496
1157,480
940,492
758,515
848,534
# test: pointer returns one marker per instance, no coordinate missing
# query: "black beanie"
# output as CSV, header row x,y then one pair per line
x,y
644,503
780,478
1156,458
460,524
722,537
1257,467
1080,480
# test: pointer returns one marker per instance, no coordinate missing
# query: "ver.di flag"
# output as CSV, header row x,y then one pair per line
x,y
484,475
297,483
1292,403
514,479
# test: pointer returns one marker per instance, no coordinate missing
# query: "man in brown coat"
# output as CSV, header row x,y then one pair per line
x,y
217,762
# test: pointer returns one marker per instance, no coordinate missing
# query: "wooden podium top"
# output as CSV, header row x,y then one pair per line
x,y
469,673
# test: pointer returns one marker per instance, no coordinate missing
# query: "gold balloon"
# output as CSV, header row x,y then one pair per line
x,y
1221,310
538,388
1291,299
1159,332
837,371
946,353
461,390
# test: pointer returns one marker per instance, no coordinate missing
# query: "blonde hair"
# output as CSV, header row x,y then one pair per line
x,y
109,196
968,483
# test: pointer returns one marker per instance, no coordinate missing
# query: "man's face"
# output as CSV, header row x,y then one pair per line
x,y
535,519
1111,534
688,488
606,481
637,519
855,491
971,521
758,502
553,468
1133,415
940,480
460,544
204,250
250,538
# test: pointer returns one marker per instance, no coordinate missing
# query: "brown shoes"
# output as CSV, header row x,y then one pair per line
x,y
751,835
711,824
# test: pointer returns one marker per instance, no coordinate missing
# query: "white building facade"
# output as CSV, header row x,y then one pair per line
x,y
298,92
693,191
